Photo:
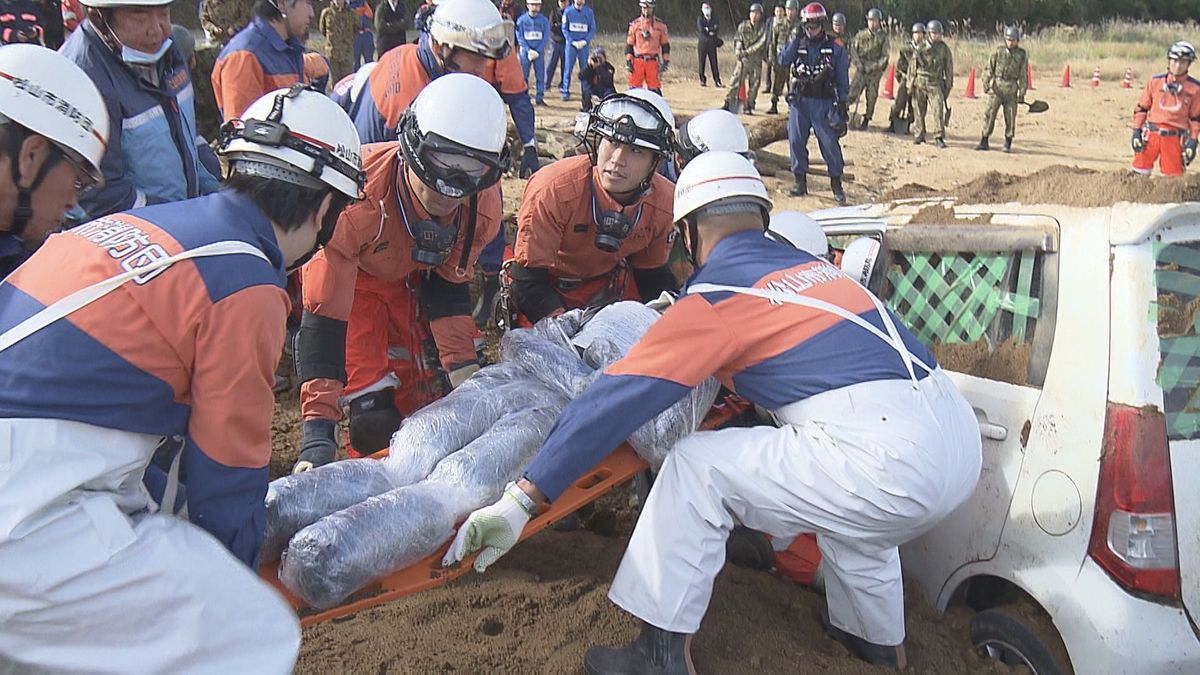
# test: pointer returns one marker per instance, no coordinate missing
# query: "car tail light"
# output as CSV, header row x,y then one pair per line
x,y
1133,534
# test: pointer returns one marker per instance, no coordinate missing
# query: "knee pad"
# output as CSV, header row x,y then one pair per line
x,y
373,420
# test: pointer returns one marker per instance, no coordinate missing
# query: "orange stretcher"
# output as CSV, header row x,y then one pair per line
x,y
615,470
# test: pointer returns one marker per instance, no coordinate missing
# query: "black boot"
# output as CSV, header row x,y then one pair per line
x,y
983,144
774,109
801,187
880,655
1008,144
863,124
654,652
717,80
839,195
703,82
919,139
940,142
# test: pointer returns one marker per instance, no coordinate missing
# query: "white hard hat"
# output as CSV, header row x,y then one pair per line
x,y
472,25
712,130
297,135
454,135
798,230
636,117
717,176
102,4
48,94
858,260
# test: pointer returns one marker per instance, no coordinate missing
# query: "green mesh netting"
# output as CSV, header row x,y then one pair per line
x,y
957,297
1177,278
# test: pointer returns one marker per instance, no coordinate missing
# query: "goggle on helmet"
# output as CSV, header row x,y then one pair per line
x,y
452,169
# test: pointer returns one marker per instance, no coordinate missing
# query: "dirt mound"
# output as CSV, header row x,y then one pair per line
x,y
543,605
1071,186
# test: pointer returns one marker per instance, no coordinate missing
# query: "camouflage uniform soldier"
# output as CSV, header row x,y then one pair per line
x,y
749,46
930,78
222,19
339,24
902,106
869,54
785,28
1006,82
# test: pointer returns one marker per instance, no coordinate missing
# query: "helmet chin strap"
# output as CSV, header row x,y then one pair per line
x,y
23,211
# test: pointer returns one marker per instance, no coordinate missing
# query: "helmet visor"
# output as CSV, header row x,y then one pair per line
x,y
451,168
494,41
631,121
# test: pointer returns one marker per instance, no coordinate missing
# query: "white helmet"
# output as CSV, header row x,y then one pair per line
x,y
472,25
798,230
712,130
299,136
718,176
48,94
453,135
636,117
858,260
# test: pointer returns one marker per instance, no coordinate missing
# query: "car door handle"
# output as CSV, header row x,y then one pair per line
x,y
990,430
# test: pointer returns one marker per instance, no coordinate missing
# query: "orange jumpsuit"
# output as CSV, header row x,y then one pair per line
x,y
1168,112
646,43
366,276
556,232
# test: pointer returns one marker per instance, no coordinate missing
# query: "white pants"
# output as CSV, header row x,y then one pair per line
x,y
866,467
87,587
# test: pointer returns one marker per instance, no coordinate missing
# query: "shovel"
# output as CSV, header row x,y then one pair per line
x,y
1037,106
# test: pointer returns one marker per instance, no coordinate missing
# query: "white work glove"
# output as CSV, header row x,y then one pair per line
x,y
534,55
662,302
579,44
461,373
494,528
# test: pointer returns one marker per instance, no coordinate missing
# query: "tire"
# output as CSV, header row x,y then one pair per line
x,y
1015,637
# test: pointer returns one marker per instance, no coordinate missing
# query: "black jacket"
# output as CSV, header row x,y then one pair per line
x,y
708,30
389,26
599,79
556,33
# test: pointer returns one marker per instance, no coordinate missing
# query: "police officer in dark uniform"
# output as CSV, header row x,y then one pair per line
x,y
820,89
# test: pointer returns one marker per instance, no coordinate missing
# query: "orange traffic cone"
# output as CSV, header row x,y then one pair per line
x,y
889,89
1096,77
1127,83
742,93
1066,80
971,84
1029,76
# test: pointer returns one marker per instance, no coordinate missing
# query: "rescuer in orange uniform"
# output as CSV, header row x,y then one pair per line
x,y
398,270
597,228
647,49
1166,121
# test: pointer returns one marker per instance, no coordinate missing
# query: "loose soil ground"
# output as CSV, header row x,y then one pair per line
x,y
540,608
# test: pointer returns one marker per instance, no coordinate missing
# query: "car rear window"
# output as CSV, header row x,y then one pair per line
x,y
1177,304
977,311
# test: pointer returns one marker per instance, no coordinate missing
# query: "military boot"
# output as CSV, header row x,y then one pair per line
x,y
801,187
774,109
919,140
839,195
863,124
1008,144
983,144
654,652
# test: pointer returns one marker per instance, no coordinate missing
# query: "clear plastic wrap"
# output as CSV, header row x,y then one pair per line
x,y
329,560
295,502
655,439
622,324
446,425
555,365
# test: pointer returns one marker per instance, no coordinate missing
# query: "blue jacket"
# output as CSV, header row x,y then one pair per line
x,y
151,156
772,355
573,16
190,352
533,32
825,58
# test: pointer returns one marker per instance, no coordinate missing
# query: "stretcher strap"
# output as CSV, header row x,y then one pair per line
x,y
892,337
957,298
86,296
1177,274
